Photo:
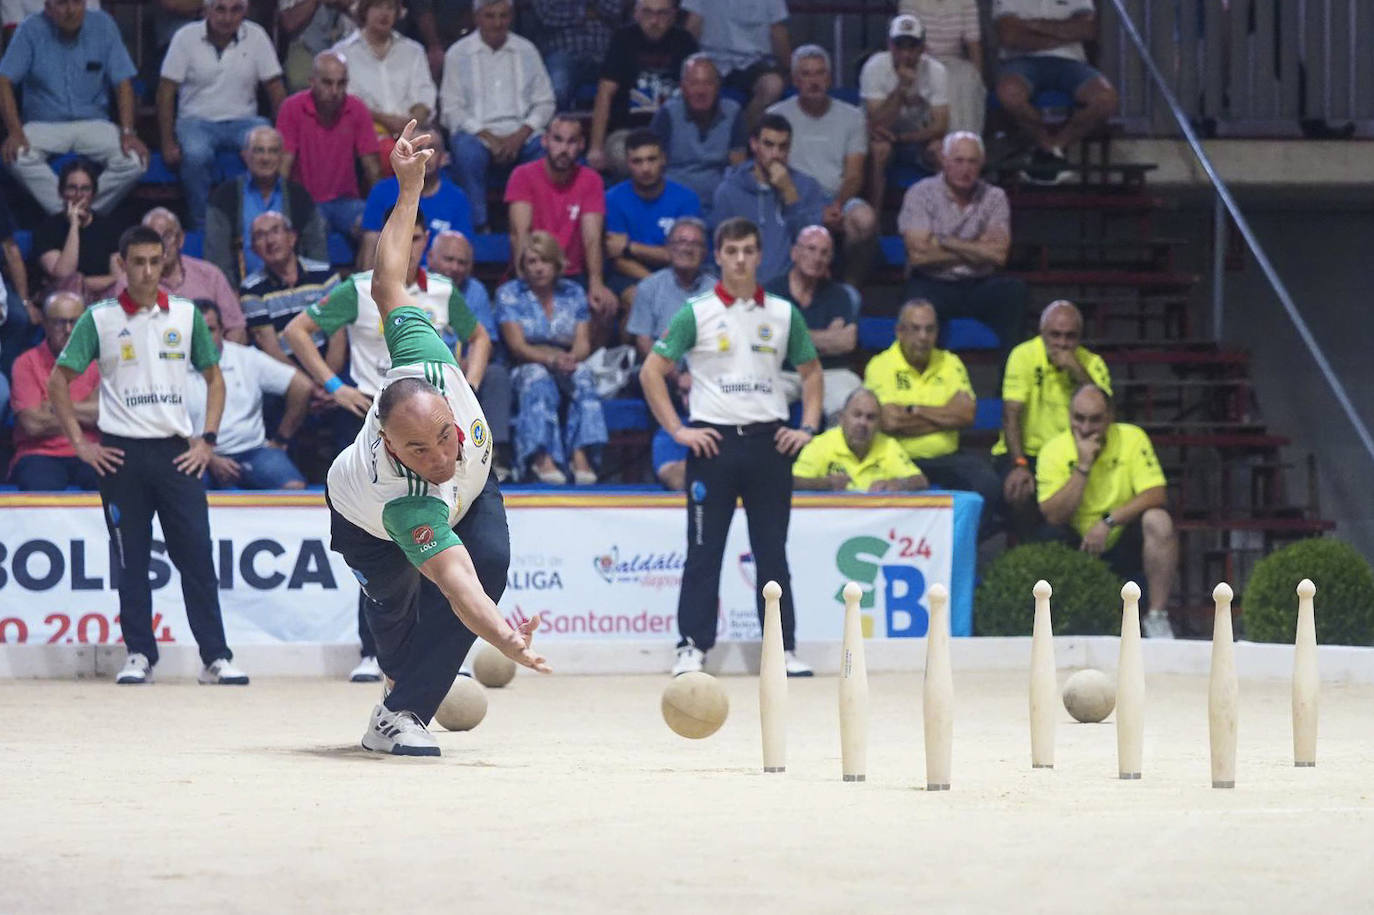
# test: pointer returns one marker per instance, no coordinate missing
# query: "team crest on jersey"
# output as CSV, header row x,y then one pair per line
x,y
422,535
126,352
172,337
765,332
723,343
478,429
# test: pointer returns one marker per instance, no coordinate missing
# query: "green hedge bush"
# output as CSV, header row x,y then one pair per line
x,y
1345,593
1086,601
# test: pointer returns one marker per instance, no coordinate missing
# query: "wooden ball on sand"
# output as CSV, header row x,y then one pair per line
x,y
464,707
492,668
1090,696
694,705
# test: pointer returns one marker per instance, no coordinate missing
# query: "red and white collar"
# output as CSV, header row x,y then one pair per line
x,y
132,308
729,300
421,280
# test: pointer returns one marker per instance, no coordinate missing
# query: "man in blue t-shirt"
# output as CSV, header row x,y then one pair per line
x,y
444,204
639,213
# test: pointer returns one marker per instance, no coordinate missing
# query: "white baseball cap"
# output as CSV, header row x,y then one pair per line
x,y
907,26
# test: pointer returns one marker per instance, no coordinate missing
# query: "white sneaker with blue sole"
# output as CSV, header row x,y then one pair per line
x,y
398,733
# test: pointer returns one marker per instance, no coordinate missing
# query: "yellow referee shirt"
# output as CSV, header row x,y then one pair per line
x,y
829,453
1125,468
1030,379
896,381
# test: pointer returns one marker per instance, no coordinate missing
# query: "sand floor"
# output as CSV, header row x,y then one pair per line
x,y
573,796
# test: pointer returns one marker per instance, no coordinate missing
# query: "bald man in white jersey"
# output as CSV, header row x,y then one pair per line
x,y
413,509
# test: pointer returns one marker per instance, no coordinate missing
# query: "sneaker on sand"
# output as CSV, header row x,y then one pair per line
x,y
367,671
795,666
690,659
1156,625
398,733
222,673
136,670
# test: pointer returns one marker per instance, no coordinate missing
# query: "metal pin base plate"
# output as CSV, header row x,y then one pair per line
x,y
775,768
1130,775
1306,765
1223,784
1042,765
854,778
931,786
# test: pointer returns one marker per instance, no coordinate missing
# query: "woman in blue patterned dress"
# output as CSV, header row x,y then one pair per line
x,y
544,322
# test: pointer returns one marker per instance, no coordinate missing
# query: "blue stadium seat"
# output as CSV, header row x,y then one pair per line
x,y
905,176
491,248
626,414
24,239
340,251
988,414
894,250
158,172
228,165
876,334
193,244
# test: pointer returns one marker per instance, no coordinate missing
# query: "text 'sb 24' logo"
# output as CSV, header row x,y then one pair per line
x,y
860,559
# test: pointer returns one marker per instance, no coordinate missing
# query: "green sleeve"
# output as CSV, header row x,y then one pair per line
x,y
412,339
419,526
83,346
203,351
680,336
460,318
800,349
338,309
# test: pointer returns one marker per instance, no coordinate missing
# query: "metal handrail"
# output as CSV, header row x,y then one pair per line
x,y
1225,199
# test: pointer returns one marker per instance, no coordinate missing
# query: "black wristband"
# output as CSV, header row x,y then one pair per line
x,y
210,438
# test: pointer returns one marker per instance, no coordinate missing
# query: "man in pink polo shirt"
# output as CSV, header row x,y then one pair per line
x,y
43,457
325,131
557,195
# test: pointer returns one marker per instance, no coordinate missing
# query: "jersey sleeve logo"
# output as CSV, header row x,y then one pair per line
x,y
478,429
422,535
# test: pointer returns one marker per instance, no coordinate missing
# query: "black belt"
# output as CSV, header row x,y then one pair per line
x,y
741,430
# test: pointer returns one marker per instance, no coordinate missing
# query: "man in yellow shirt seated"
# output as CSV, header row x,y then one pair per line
x,y
1040,378
856,455
1101,484
926,399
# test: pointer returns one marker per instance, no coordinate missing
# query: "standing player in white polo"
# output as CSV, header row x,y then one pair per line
x,y
146,342
413,509
350,304
735,339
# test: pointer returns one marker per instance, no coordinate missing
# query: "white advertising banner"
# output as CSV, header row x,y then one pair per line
x,y
595,566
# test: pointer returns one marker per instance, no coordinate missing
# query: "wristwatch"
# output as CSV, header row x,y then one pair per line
x,y
1108,520
808,429
210,438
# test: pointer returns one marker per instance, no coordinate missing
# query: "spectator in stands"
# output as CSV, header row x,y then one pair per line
x,y
78,248
927,399
13,12
748,40
443,202
309,27
905,95
575,36
767,191
1100,484
1041,45
66,61
545,323
831,311
437,24
388,72
190,277
954,37
639,213
326,132
286,285
857,454
495,100
703,134
638,75
207,98
1040,379
567,200
244,456
450,254
237,202
957,231
830,143
43,457
16,275
660,296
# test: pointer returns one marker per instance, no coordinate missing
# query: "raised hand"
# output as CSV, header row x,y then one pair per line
x,y
410,153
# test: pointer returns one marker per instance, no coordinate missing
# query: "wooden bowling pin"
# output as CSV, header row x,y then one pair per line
x,y
1305,679
773,683
1223,696
937,693
1044,686
853,690
1130,687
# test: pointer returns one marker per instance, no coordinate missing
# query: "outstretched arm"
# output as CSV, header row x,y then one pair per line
x,y
408,158
453,572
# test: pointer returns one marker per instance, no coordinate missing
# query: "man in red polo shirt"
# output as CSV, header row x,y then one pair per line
x,y
43,457
325,131
557,195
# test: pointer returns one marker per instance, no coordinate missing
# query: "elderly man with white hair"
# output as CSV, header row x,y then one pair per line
x,y
1040,379
957,230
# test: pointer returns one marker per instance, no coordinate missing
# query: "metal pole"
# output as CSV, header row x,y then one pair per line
x,y
1218,266
1224,194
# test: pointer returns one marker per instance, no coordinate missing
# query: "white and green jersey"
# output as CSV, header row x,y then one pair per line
x,y
735,349
350,304
374,491
144,356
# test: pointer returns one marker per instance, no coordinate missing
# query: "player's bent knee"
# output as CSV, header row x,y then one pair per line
x,y
768,87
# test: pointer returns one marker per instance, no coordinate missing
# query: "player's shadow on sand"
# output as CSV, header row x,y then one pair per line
x,y
356,752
